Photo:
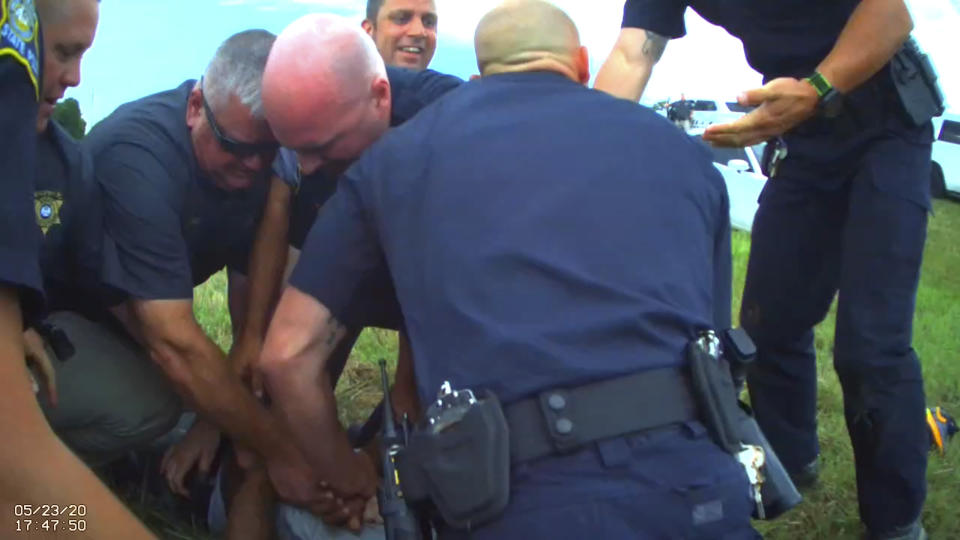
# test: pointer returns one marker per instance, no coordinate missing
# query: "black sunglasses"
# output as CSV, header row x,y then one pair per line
x,y
237,148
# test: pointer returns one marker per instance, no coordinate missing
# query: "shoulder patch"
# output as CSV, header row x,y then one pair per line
x,y
19,36
47,206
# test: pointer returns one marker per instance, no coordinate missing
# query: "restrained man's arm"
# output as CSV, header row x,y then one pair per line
x,y
37,469
627,70
267,263
302,335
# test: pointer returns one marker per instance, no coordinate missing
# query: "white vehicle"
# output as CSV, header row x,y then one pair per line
x,y
945,177
706,112
740,168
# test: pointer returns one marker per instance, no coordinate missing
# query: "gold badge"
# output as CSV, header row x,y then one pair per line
x,y
47,205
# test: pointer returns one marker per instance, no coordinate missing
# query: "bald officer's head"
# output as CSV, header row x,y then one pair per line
x,y
530,35
325,90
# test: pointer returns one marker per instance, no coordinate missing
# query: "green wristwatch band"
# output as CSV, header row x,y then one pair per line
x,y
819,83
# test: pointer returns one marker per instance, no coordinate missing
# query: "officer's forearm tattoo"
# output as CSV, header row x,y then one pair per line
x,y
333,329
654,45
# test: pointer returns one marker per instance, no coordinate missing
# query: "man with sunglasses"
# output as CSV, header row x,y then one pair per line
x,y
184,175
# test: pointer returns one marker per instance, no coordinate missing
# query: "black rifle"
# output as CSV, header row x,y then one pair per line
x,y
399,522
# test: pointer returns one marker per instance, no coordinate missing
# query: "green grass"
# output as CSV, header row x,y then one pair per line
x,y
830,511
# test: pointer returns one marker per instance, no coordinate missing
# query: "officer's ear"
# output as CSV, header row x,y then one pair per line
x,y
194,107
368,27
583,65
380,90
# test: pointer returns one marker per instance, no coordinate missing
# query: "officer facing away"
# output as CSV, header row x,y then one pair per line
x,y
849,195
37,469
514,235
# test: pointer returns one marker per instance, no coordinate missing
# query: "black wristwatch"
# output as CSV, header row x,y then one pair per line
x,y
830,101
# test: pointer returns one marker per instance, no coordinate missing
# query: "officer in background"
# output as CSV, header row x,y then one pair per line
x,y
36,467
405,31
110,397
518,273
846,209
184,177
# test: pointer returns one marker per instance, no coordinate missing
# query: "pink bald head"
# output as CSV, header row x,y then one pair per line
x,y
325,90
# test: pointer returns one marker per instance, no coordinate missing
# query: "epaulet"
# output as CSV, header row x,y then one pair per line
x,y
20,37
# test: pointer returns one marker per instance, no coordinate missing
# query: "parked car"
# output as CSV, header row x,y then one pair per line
x,y
709,111
740,168
945,176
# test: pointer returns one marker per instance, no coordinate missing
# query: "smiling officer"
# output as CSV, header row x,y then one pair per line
x,y
405,31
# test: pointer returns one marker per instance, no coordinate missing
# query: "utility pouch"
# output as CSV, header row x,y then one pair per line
x,y
778,493
464,466
916,82
714,392
731,424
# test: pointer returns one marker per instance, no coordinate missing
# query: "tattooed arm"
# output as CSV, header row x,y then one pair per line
x,y
302,335
628,68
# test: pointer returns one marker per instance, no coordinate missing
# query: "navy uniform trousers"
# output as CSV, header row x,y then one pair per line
x,y
665,483
846,211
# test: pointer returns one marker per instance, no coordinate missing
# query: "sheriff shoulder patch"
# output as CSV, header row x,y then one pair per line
x,y
19,36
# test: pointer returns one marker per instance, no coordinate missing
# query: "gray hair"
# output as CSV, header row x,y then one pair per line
x,y
237,70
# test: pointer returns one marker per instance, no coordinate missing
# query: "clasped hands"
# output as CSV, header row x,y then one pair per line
x,y
349,504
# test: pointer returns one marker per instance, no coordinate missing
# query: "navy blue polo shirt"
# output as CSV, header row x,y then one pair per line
x,y
410,92
19,235
168,228
784,38
531,249
70,215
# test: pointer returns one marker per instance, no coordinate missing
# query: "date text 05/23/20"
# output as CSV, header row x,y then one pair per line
x,y
50,510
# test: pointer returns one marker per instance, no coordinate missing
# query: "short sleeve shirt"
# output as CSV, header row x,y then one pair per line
x,y
375,302
519,271
786,38
168,228
70,215
410,91
20,61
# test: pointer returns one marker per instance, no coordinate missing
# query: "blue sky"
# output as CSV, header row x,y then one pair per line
x,y
146,46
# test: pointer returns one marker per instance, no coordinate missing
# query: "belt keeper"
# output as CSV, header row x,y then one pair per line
x,y
557,408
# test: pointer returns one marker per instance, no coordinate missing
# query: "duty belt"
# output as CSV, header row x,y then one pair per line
x,y
562,420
